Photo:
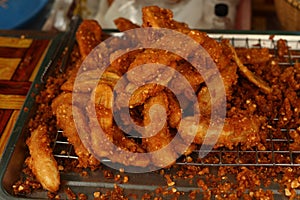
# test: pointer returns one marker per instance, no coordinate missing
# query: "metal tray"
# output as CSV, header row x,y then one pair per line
x,y
139,184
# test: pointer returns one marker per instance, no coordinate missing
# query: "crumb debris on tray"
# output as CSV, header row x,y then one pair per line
x,y
257,89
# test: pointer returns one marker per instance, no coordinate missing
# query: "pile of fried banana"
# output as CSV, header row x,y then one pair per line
x,y
243,128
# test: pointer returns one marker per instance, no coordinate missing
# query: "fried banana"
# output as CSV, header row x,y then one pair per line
x,y
160,140
139,158
139,78
175,112
152,65
103,103
154,16
125,24
239,129
88,36
190,73
253,55
229,77
121,60
143,93
41,160
63,110
256,80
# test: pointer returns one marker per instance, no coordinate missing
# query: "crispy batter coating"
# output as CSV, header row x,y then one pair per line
x,y
253,56
68,85
41,160
250,75
154,16
99,147
143,93
283,48
88,36
122,63
248,124
175,112
191,75
114,146
163,137
103,103
221,53
239,129
87,80
229,77
128,144
149,72
124,24
62,109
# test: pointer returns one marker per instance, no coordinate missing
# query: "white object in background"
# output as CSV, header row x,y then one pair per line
x,y
58,18
202,14
219,14
188,11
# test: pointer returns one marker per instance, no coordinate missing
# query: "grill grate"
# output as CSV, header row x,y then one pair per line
x,y
238,157
62,149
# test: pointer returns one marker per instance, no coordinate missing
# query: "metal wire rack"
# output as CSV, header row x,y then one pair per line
x,y
273,156
266,41
218,157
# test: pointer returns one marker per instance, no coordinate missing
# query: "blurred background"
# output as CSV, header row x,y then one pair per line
x,y
202,14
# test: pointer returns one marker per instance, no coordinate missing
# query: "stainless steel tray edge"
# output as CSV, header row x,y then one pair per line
x,y
14,154
12,160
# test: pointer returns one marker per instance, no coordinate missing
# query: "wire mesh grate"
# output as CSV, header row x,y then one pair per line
x,y
278,153
216,157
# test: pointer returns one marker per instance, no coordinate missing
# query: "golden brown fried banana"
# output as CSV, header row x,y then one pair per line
x,y
152,65
175,112
98,145
125,24
162,138
115,140
121,60
88,36
87,80
143,93
103,103
253,55
190,73
41,160
154,16
63,110
114,146
249,75
63,98
229,77
128,144
244,130
238,129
